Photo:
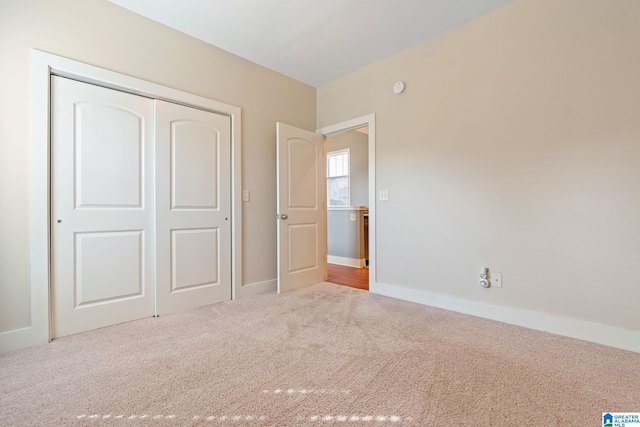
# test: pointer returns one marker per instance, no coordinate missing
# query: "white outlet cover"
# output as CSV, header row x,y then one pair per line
x,y
383,195
496,280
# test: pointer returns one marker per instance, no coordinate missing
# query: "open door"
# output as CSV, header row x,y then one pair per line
x,y
301,205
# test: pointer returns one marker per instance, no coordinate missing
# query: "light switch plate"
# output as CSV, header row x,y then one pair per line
x,y
496,280
383,195
245,195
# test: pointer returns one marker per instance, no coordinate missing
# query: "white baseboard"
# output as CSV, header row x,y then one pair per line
x,y
21,338
612,336
349,262
257,288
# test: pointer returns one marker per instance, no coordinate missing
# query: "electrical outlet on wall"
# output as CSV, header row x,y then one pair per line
x,y
383,195
496,280
352,217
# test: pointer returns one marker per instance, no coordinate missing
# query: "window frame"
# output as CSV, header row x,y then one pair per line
x,y
348,175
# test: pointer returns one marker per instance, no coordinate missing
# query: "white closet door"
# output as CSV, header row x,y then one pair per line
x,y
102,207
193,208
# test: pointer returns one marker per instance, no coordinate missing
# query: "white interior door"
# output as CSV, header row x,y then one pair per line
x,y
301,207
193,208
102,207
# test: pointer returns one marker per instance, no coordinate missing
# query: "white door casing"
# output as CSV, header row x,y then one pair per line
x,y
44,65
193,208
102,207
301,177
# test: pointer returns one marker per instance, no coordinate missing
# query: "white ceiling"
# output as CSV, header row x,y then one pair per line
x,y
314,41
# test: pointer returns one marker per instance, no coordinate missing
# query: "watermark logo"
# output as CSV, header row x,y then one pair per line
x,y
621,419
607,420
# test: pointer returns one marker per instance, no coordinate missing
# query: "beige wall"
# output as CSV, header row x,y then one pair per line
x,y
516,146
105,35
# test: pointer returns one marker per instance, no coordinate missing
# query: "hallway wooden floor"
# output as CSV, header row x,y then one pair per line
x,y
348,276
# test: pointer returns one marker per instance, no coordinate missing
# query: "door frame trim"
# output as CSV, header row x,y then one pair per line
x,y
336,129
43,66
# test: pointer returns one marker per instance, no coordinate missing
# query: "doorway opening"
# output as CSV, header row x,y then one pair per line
x,y
350,214
347,165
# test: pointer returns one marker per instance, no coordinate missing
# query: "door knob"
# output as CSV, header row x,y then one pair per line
x,y
284,216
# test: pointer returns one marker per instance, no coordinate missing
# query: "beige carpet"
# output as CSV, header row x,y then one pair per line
x,y
324,355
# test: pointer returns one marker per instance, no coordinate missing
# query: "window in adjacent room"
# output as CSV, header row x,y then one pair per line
x,y
338,178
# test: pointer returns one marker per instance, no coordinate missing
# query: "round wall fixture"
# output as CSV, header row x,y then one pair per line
x,y
398,88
